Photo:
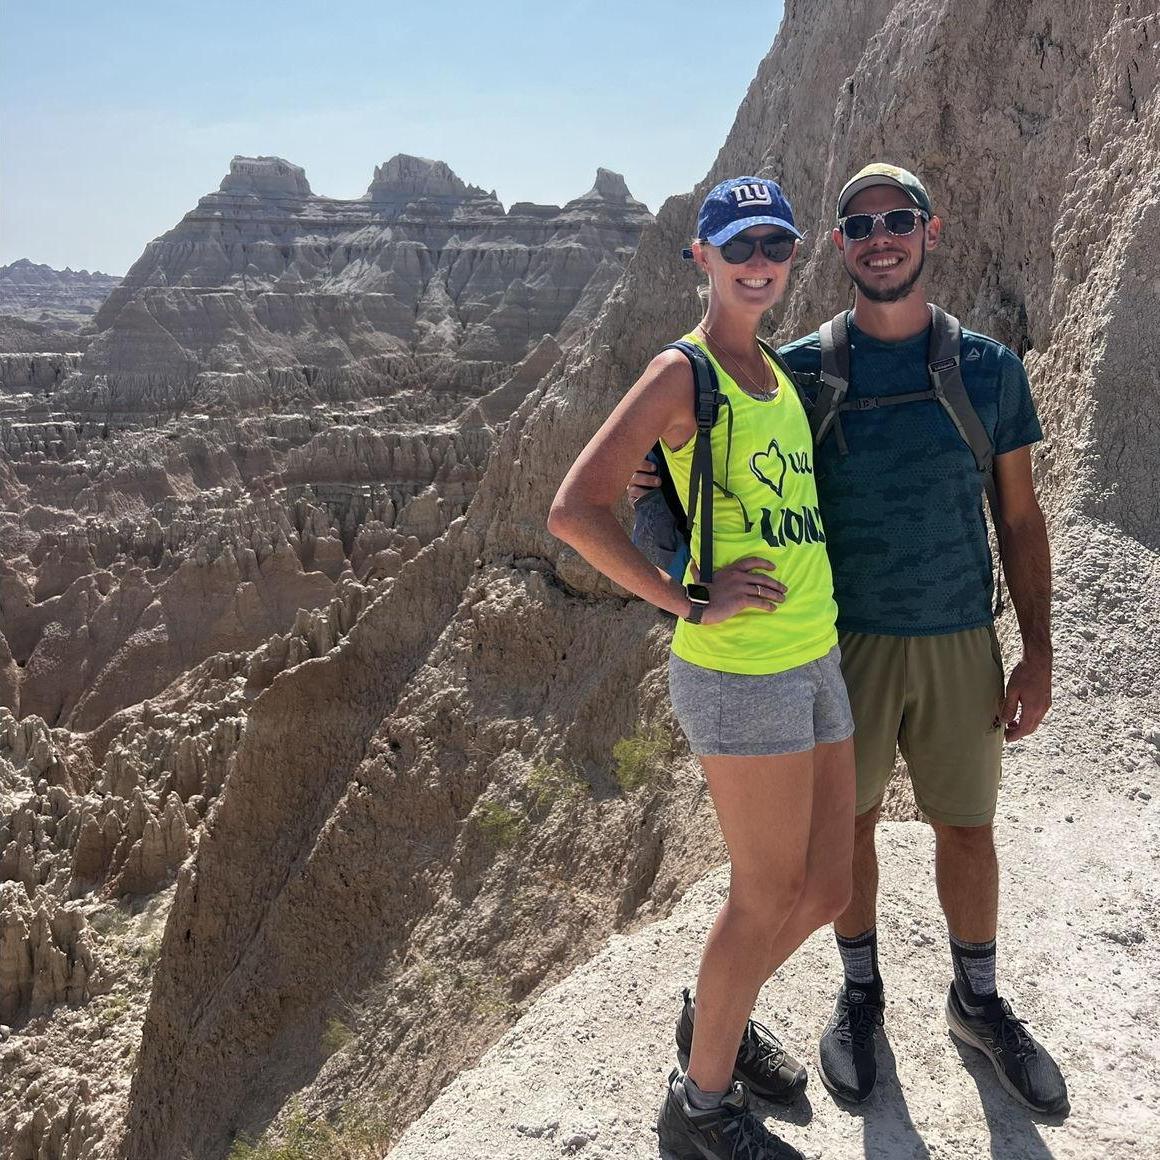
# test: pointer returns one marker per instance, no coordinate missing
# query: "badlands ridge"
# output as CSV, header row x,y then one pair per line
x,y
323,762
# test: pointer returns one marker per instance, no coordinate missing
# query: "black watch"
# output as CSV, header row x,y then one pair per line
x,y
698,595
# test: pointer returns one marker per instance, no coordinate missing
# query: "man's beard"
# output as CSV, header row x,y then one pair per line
x,y
896,293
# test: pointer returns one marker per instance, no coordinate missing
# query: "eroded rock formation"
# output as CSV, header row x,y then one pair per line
x,y
406,817
159,569
45,954
63,300
331,380
424,281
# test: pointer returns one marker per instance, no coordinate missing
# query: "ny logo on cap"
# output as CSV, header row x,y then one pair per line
x,y
753,195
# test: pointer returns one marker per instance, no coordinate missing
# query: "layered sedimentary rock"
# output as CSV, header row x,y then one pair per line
x,y
412,815
37,371
22,336
63,299
130,555
286,390
160,566
498,661
423,281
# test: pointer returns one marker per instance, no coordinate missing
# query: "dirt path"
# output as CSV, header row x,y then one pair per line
x,y
583,1071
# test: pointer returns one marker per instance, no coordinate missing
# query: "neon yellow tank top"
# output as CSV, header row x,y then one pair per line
x,y
766,462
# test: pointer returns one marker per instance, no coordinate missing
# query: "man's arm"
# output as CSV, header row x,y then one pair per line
x,y
1026,560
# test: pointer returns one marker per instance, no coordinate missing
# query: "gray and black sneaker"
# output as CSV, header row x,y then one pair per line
x,y
849,1067
727,1132
1024,1067
763,1064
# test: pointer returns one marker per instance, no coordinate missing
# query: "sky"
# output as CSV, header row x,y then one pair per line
x,y
115,117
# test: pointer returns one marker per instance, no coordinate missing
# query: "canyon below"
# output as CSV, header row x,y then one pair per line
x,y
342,807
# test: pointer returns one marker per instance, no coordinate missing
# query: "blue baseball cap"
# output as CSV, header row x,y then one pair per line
x,y
739,203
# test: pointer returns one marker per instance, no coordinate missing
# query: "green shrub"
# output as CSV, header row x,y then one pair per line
x,y
302,1141
500,824
640,760
553,781
336,1036
358,1136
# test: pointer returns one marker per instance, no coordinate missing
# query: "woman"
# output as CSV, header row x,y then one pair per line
x,y
753,675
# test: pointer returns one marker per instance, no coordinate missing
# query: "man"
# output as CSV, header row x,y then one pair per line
x,y
901,497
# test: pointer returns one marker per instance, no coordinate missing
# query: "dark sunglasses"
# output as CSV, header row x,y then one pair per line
x,y
776,247
857,227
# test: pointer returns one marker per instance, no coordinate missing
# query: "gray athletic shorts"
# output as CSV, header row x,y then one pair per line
x,y
741,715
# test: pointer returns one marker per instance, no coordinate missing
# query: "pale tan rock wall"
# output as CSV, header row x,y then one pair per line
x,y
420,824
993,103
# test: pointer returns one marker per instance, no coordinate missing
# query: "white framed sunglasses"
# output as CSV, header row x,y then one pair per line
x,y
857,227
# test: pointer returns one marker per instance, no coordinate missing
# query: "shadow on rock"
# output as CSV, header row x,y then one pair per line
x,y
887,1129
1011,1125
799,1113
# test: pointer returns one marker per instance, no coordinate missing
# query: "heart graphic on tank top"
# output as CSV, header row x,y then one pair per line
x,y
769,466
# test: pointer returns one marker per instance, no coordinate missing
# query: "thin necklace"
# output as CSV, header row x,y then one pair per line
x,y
761,391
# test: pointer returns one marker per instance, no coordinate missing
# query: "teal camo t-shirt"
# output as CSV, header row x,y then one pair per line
x,y
903,510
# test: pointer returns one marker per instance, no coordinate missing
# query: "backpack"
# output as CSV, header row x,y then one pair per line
x,y
946,388
662,530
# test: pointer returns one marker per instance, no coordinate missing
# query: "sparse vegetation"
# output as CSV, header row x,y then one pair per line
x,y
137,936
554,781
336,1036
357,1136
148,950
491,999
430,975
500,824
640,760
475,990
112,1010
112,922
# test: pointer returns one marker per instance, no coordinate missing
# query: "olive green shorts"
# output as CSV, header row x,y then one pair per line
x,y
937,698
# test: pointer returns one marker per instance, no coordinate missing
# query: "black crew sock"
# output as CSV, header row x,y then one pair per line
x,y
860,960
974,965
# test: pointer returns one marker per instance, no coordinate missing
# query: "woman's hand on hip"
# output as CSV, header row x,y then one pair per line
x,y
742,584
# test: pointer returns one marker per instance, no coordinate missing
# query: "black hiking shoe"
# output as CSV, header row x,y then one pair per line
x,y
727,1132
849,1067
1024,1067
763,1064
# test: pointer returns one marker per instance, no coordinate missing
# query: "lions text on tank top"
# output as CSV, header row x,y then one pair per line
x,y
764,460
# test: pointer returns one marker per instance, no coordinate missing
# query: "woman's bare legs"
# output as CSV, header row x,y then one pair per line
x,y
788,823
831,854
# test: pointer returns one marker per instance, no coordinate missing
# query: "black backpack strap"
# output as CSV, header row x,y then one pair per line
x,y
834,338
946,380
868,403
706,403
668,488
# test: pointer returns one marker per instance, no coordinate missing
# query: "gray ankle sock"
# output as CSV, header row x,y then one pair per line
x,y
974,965
702,1101
860,957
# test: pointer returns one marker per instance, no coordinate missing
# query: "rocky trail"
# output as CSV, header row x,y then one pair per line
x,y
328,774
582,1073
